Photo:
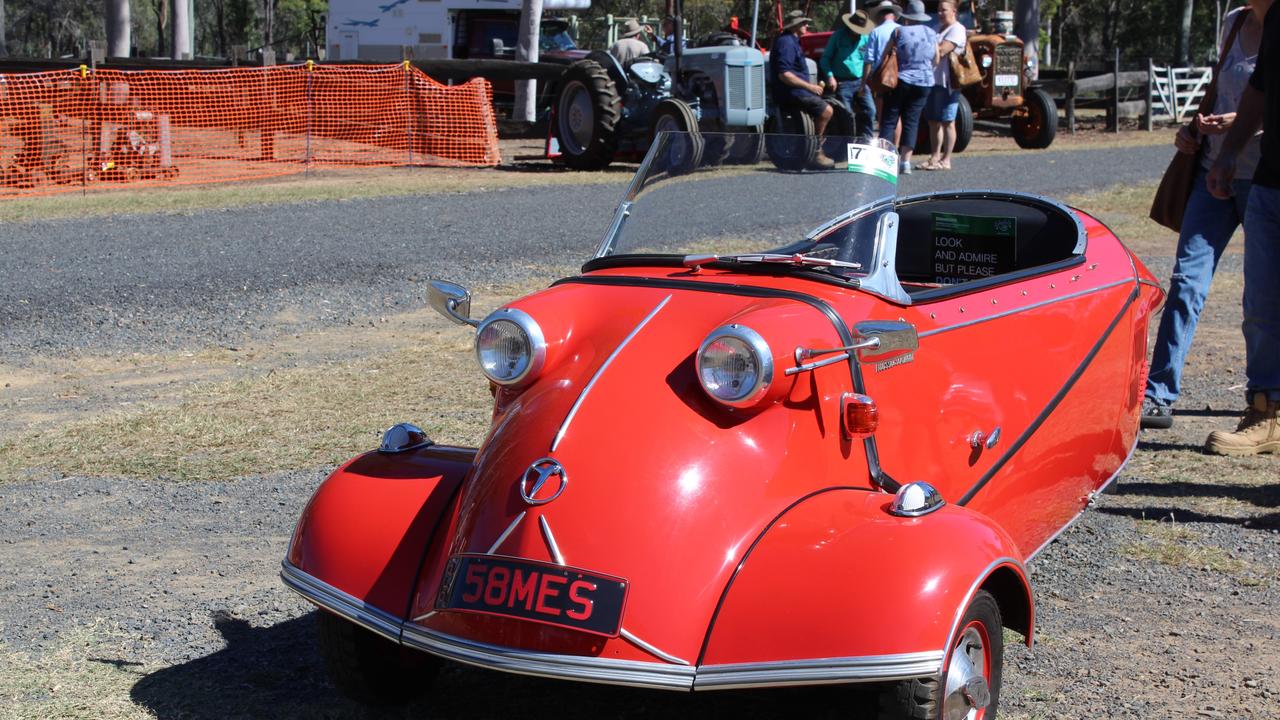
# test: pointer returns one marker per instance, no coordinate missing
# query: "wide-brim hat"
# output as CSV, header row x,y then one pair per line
x,y
857,22
884,7
630,28
915,12
795,18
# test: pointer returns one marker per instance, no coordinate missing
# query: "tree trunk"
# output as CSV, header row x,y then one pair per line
x,y
181,29
4,49
119,28
525,108
1184,33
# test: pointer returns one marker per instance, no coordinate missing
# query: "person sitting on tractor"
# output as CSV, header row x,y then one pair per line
x,y
667,43
629,46
792,88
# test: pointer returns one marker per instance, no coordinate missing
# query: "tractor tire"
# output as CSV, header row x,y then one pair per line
x,y
964,125
716,148
841,129
1037,128
369,668
682,152
792,144
747,147
981,641
587,113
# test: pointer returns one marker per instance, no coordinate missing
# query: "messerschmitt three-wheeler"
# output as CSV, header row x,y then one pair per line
x,y
785,428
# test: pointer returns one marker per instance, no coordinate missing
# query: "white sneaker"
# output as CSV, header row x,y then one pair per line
x,y
904,168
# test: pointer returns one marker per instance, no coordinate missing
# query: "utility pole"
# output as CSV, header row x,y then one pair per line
x,y
182,29
119,28
525,109
1184,34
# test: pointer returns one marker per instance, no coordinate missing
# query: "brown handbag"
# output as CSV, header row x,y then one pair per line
x,y
885,77
1170,202
964,68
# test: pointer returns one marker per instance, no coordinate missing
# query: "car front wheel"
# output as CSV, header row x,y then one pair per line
x,y
369,668
970,686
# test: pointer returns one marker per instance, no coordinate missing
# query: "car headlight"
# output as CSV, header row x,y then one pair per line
x,y
510,346
735,365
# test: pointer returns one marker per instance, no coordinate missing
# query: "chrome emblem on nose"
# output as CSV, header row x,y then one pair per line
x,y
543,481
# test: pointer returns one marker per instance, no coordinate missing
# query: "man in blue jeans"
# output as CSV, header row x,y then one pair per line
x,y
841,68
1258,431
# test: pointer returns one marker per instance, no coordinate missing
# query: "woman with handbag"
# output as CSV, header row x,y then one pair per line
x,y
944,98
1207,223
916,47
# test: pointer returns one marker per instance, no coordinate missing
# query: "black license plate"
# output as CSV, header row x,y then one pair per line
x,y
542,592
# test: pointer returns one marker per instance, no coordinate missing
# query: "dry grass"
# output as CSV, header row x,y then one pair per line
x,y
1181,547
71,681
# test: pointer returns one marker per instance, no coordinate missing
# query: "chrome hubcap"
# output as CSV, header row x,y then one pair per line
x,y
967,692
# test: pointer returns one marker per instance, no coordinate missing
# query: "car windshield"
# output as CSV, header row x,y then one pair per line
x,y
758,199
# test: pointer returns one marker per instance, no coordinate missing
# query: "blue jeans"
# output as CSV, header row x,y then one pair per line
x,y
1207,227
908,101
857,96
1262,291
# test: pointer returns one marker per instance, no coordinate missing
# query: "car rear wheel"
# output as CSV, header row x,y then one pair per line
x,y
370,668
970,686
792,145
1036,127
587,113
682,153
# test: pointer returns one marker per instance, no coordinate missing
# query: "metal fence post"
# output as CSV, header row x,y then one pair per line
x,y
1115,93
1151,81
311,110
1071,97
408,110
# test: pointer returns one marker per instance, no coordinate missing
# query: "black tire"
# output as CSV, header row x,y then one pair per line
x,y
716,149
369,668
964,130
682,153
840,129
588,110
1038,127
964,125
747,147
922,698
792,144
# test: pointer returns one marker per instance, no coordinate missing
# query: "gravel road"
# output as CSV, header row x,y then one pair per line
x,y
173,588
155,282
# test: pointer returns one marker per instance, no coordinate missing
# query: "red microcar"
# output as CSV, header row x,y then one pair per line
x,y
785,428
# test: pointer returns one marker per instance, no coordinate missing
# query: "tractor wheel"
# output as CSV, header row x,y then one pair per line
x,y
681,152
792,144
840,130
370,668
969,688
1035,129
964,125
716,148
587,113
747,147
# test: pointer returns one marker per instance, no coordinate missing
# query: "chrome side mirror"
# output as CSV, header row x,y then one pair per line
x,y
888,342
452,301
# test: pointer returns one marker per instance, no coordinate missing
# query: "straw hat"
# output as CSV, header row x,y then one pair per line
x,y
795,18
630,28
857,22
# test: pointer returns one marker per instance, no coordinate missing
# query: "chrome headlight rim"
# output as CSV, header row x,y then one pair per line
x,y
531,330
759,349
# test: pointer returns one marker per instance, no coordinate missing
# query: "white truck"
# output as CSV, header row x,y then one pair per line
x,y
430,29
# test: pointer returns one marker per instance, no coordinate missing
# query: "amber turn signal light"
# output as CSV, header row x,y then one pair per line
x,y
859,416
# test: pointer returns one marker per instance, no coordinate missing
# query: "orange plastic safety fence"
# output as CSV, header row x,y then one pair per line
x,y
81,129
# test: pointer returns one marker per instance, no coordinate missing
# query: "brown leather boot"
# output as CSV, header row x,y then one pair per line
x,y
1258,432
822,162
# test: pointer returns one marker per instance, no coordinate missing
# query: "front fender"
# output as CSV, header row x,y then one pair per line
x,y
836,577
368,525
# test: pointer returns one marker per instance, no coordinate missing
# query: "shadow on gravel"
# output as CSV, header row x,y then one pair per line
x,y
1269,521
276,672
1207,412
1158,446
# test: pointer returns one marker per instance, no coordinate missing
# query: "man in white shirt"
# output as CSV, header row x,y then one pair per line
x,y
629,46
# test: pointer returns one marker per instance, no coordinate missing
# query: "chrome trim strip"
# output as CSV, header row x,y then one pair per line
x,y
816,364
505,534
871,668
564,427
1024,308
551,540
973,590
568,667
334,600
676,675
652,650
1101,489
